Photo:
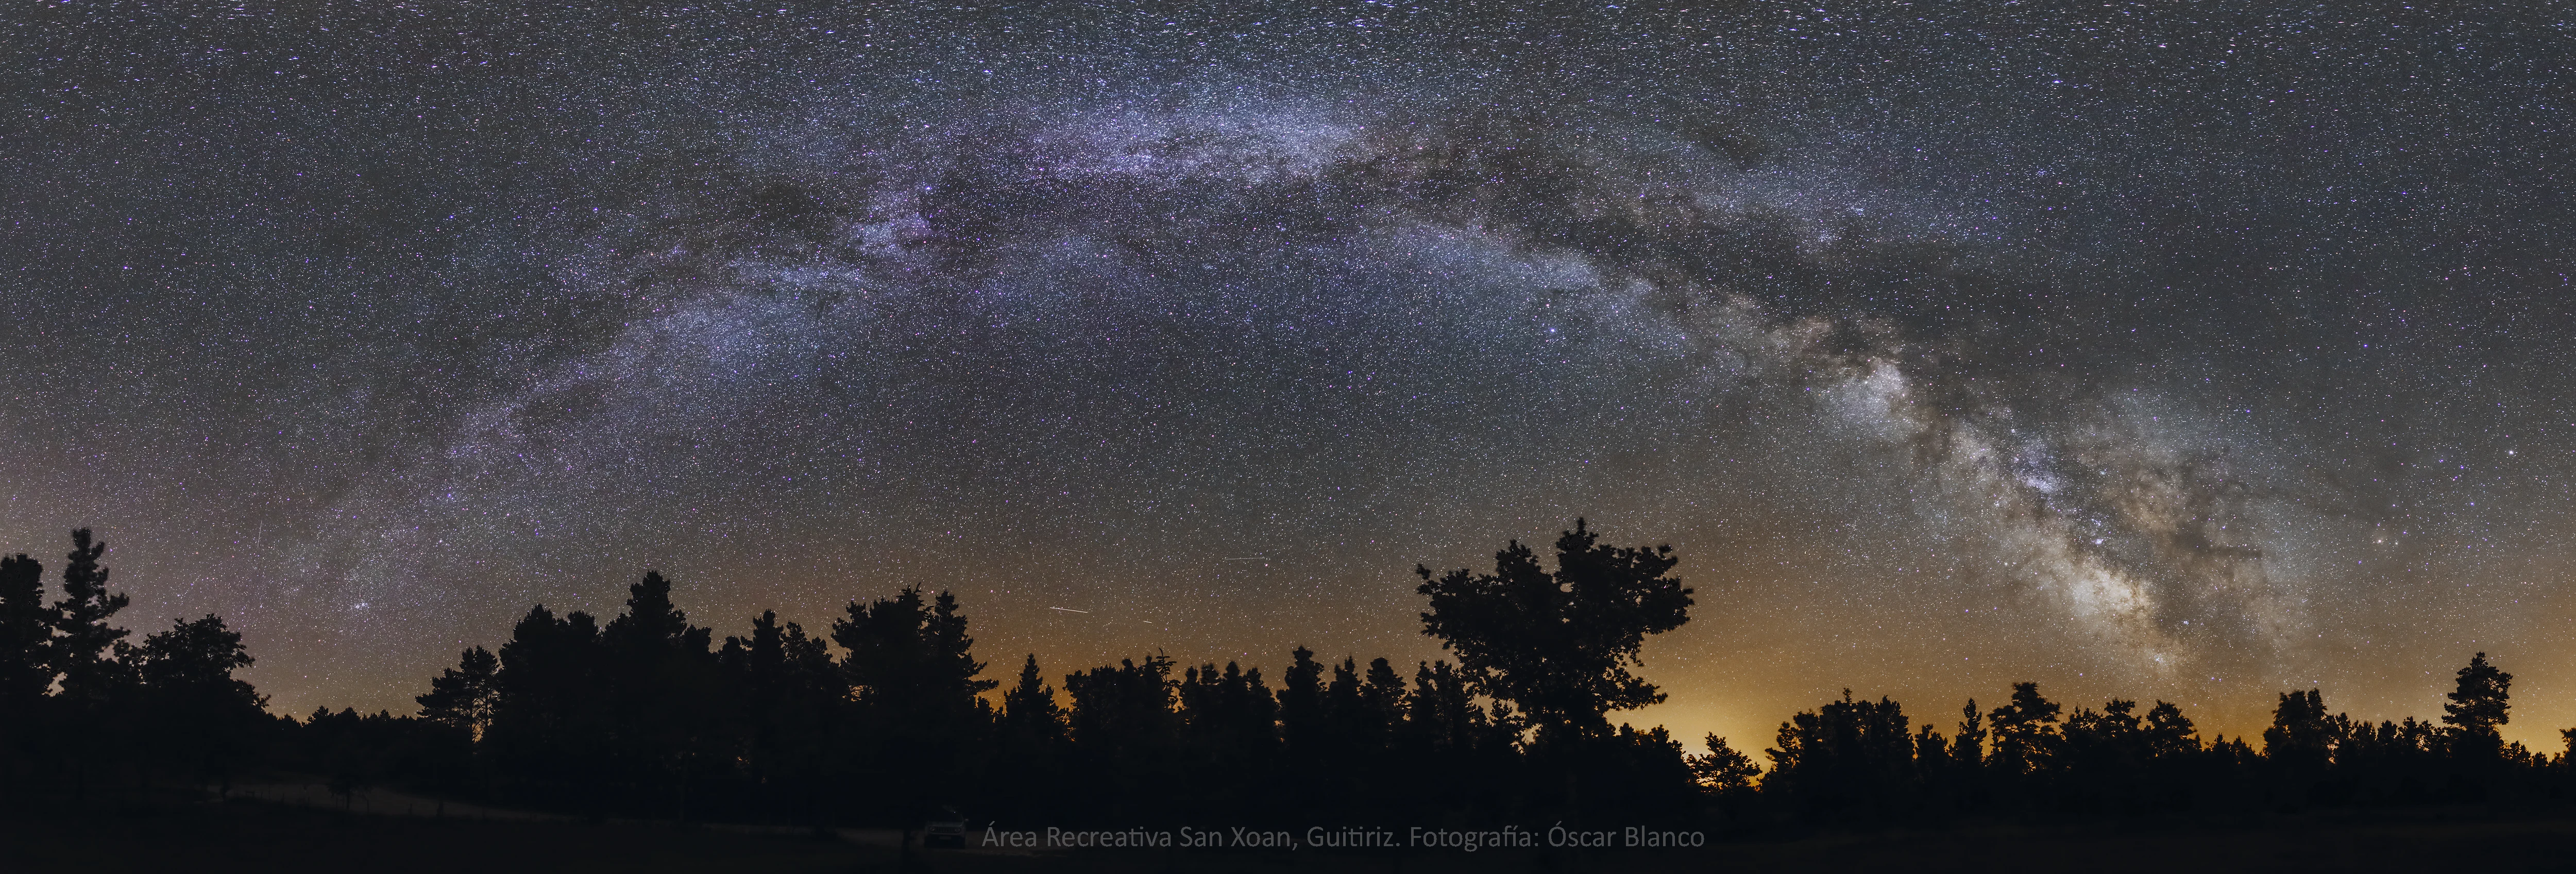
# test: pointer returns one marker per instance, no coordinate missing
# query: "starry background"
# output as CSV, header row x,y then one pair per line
x,y
2181,352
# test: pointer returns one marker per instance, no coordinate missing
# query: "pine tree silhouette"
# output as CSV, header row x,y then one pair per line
x,y
1030,710
25,630
26,669
787,697
1230,716
1968,748
2025,732
1932,760
914,672
1382,697
911,657
1126,733
2169,735
464,696
1356,725
93,682
1303,723
83,639
2301,736
1441,714
659,679
2477,708
550,725
1850,755
1230,735
1722,769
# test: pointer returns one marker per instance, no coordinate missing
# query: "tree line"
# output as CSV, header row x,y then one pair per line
x,y
887,713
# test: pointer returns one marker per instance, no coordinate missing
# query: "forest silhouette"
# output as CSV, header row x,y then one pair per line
x,y
888,715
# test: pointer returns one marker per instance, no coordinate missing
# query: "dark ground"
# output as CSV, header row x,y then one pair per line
x,y
263,837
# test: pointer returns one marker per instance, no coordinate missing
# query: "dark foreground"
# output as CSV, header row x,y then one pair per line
x,y
249,836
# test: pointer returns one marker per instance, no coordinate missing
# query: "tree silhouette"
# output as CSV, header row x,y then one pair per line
x,y
2104,756
1302,722
1125,710
2169,734
1968,749
788,696
627,718
1932,757
2391,762
1354,723
2112,734
1382,700
911,657
914,672
25,629
1030,748
1441,714
658,677
80,648
1230,716
2477,709
548,727
2302,735
82,655
1365,707
1722,769
195,661
198,715
2025,732
464,696
1633,772
1030,714
1229,733
26,670
652,626
1126,732
1560,645
1847,755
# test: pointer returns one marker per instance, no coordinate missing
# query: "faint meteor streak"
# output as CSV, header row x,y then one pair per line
x,y
1068,610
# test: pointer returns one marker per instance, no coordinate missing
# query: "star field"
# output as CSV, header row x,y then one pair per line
x,y
2158,351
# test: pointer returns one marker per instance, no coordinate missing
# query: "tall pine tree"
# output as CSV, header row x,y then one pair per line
x,y
2477,710
660,679
83,640
464,696
912,666
25,629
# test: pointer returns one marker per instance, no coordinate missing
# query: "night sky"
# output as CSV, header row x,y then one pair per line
x,y
2169,351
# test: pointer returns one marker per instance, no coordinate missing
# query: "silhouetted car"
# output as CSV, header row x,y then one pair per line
x,y
946,828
